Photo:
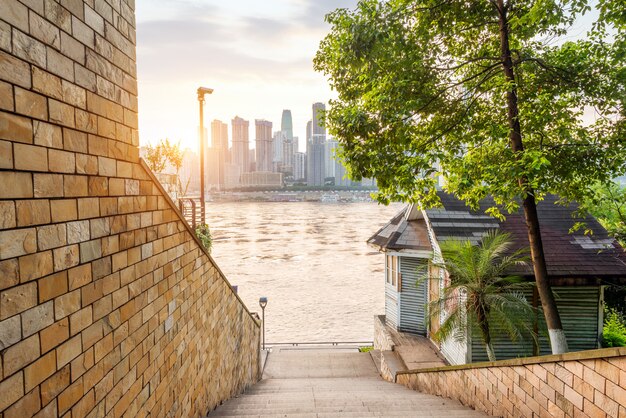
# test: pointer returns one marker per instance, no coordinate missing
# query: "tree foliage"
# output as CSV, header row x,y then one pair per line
x,y
482,297
422,94
608,205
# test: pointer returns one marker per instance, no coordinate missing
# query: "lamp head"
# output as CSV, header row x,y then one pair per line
x,y
263,302
204,90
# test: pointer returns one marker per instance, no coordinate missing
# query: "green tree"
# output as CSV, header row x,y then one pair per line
x,y
486,94
608,206
155,158
492,298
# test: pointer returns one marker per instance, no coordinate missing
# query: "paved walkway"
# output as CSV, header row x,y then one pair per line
x,y
332,383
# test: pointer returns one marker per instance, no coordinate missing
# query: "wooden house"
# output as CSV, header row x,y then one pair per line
x,y
579,267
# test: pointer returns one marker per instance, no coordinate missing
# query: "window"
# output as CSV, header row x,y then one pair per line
x,y
392,274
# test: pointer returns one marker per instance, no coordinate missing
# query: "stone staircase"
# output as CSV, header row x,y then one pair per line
x,y
332,383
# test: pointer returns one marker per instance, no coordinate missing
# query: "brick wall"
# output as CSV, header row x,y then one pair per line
x,y
583,384
108,306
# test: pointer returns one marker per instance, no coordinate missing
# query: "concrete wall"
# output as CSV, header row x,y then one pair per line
x,y
108,305
583,384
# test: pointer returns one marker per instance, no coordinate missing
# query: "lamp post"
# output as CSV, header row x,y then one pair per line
x,y
201,92
263,304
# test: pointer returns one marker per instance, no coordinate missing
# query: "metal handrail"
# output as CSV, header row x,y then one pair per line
x,y
333,343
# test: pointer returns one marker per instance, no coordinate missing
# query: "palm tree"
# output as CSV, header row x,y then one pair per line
x,y
481,296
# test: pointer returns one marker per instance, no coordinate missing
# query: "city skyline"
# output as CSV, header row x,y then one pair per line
x,y
256,56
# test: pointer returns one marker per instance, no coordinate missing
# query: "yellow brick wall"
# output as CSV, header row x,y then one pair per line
x,y
108,306
582,384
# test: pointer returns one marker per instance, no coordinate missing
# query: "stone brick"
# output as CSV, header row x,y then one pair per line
x,y
35,266
5,41
58,15
78,232
7,215
54,335
61,113
33,212
86,121
31,104
66,257
45,31
6,154
67,304
88,208
12,388
40,370
74,140
68,351
10,332
75,186
83,33
20,355
86,164
30,158
27,406
48,185
61,161
74,95
79,276
73,49
46,83
91,250
48,411
37,318
14,70
15,128
56,384
107,167
16,15
17,299
47,135
51,236
59,64
29,49
17,242
9,273
52,286
70,396
98,186
100,227
64,210
81,320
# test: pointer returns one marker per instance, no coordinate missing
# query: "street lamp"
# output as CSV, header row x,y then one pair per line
x,y
201,92
263,304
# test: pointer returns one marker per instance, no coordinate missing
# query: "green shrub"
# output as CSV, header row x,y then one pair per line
x,y
366,349
204,235
614,333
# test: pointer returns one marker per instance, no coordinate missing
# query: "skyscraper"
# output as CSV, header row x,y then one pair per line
x,y
299,166
278,147
329,157
316,148
216,156
318,112
286,124
264,151
241,144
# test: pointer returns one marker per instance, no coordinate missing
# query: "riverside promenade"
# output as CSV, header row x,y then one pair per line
x,y
307,383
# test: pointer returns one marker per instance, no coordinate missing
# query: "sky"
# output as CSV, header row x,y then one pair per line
x,y
256,55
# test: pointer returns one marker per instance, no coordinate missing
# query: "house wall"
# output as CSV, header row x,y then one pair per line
x,y
583,384
391,301
108,305
412,299
579,308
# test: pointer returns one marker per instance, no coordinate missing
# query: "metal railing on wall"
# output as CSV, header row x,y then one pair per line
x,y
191,211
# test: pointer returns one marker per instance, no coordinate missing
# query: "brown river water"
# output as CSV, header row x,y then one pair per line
x,y
310,259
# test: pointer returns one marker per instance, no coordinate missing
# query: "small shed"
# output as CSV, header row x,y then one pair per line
x,y
579,267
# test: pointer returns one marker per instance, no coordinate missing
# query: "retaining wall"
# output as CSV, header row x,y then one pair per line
x,y
108,304
581,384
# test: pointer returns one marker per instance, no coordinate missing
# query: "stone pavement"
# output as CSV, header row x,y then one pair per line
x,y
332,383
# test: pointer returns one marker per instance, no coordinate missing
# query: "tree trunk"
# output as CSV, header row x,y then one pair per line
x,y
553,320
483,323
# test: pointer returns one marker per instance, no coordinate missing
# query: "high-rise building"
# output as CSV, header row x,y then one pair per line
x,y
309,128
217,155
299,166
316,160
264,150
318,113
330,148
240,153
296,144
286,124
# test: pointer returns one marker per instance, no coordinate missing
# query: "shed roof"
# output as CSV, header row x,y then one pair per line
x,y
568,255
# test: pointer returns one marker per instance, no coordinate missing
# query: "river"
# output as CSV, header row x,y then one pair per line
x,y
310,259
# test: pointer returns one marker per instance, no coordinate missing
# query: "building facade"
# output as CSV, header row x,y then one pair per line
x,y
240,153
264,150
